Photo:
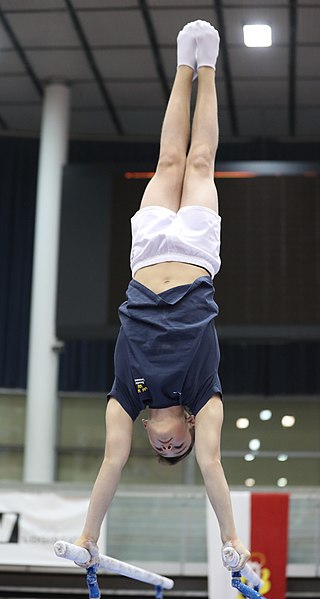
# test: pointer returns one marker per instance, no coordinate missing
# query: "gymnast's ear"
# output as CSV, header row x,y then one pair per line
x,y
144,422
190,419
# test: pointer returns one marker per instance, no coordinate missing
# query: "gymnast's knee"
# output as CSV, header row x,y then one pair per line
x,y
200,160
171,159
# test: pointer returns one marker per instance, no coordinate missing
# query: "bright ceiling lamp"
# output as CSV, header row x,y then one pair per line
x,y
257,36
265,415
254,444
282,482
242,423
288,421
249,482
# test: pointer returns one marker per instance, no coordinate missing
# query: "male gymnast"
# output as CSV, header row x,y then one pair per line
x,y
167,353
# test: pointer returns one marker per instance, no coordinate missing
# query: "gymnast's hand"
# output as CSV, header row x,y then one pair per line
x,y
244,554
93,549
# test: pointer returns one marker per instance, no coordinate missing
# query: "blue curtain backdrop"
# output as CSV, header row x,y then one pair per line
x,y
17,207
87,365
84,365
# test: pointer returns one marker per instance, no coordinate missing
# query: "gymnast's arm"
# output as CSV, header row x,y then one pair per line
x,y
119,427
208,425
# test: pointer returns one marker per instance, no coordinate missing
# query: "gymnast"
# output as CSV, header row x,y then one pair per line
x,y
167,352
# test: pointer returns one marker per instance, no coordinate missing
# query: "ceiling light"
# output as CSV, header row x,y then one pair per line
x,y
249,457
288,421
282,482
254,444
257,36
282,457
265,415
249,482
242,423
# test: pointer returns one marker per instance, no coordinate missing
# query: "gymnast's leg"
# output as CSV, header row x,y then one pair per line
x,y
165,187
199,187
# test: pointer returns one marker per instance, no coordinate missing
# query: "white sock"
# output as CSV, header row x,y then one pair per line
x,y
186,47
208,41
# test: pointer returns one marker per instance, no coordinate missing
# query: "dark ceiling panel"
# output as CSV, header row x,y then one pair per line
x,y
137,94
146,123
31,5
23,118
86,94
259,62
10,63
253,4
263,122
308,93
92,123
52,64
114,27
181,4
40,29
17,88
308,62
126,64
106,4
5,41
267,93
309,24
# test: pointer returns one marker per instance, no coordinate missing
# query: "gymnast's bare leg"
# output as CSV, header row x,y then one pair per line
x,y
198,187
166,187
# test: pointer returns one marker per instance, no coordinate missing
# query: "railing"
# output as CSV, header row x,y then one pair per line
x,y
169,526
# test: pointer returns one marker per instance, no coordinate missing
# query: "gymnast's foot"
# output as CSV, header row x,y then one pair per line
x,y
186,48
208,41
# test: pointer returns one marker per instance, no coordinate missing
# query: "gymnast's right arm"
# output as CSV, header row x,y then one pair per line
x,y
119,427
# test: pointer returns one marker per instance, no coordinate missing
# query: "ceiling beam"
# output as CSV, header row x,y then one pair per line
x,y
226,67
293,21
93,66
22,55
154,47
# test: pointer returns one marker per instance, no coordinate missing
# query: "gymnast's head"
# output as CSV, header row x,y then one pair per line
x,y
171,433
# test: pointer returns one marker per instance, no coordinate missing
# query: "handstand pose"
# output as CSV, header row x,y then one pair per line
x,y
167,353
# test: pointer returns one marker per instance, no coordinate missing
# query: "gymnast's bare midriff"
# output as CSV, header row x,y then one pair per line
x,y
162,276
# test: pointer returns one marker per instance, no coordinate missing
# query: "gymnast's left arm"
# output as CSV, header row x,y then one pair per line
x,y
208,425
119,427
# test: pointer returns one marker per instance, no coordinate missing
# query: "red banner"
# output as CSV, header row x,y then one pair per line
x,y
269,541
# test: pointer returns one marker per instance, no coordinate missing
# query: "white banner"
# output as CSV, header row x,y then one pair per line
x,y
31,522
219,579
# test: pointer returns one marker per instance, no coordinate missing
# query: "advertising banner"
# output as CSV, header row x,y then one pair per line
x,y
31,522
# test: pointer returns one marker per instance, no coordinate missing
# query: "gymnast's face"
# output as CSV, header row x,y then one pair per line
x,y
169,434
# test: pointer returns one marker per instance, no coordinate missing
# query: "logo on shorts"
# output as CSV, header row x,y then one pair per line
x,y
140,385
